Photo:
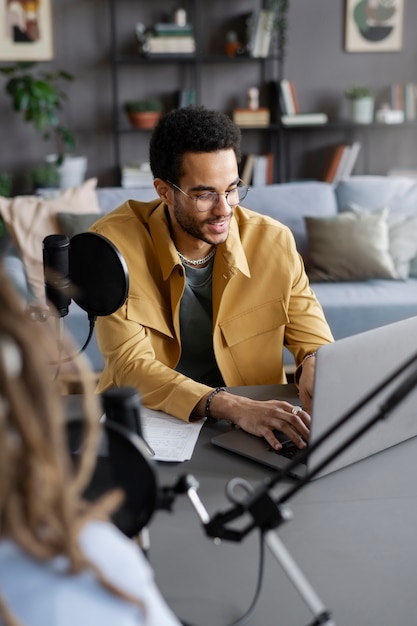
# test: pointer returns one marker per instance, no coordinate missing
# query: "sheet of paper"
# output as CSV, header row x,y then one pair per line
x,y
169,437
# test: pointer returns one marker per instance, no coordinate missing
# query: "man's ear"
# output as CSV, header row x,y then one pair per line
x,y
163,189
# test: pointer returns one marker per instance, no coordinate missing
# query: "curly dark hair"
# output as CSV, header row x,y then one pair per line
x,y
189,129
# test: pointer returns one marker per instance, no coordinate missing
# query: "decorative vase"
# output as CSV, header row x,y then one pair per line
x,y
71,172
362,110
144,119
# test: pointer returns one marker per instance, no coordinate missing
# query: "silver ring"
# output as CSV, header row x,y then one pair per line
x,y
296,409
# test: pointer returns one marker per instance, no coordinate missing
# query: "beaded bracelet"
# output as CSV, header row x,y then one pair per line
x,y
210,398
308,356
300,367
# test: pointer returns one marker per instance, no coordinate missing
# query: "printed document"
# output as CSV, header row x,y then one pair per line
x,y
169,437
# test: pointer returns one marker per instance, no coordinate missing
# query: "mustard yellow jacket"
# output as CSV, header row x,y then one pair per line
x,y
261,301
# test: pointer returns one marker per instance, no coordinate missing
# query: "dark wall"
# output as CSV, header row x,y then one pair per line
x,y
315,60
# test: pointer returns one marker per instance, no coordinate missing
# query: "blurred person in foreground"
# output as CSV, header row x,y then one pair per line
x,y
62,562
216,291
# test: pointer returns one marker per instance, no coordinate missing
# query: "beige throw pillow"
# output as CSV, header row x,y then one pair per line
x,y
29,219
350,246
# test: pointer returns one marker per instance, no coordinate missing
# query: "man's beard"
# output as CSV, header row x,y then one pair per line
x,y
190,225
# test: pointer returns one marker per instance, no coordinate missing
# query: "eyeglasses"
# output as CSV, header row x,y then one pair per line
x,y
208,200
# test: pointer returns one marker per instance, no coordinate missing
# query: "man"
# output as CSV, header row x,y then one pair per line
x,y
215,290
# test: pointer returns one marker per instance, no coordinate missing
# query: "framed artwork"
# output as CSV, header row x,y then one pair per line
x,y
374,25
26,30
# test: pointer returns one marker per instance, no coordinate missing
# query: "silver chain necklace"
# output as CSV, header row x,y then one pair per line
x,y
197,262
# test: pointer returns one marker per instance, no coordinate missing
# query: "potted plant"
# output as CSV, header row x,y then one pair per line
x,y
143,113
39,96
361,104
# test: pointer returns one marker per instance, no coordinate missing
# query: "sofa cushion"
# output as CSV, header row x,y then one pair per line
x,y
399,194
30,218
350,246
353,307
290,202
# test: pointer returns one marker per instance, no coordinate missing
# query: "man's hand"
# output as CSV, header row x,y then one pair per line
x,y
262,418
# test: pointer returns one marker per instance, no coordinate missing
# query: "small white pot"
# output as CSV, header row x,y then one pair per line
x,y
72,171
362,110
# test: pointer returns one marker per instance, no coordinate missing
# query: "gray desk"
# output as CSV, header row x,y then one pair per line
x,y
353,535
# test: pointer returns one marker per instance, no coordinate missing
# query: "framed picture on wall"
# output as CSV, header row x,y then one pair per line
x,y
374,25
26,30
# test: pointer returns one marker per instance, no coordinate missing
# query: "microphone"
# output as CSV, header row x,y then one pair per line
x,y
98,273
123,460
87,268
122,406
56,272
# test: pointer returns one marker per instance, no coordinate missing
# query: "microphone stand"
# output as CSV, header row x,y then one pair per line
x,y
268,514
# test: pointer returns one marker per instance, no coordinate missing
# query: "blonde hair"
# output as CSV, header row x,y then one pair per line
x,y
41,504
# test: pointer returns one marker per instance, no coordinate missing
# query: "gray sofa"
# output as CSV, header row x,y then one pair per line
x,y
386,292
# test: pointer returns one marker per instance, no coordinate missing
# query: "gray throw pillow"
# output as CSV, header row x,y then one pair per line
x,y
350,246
402,238
71,224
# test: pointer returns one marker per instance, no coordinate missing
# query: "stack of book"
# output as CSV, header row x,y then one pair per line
x,y
169,38
252,117
340,162
136,175
290,111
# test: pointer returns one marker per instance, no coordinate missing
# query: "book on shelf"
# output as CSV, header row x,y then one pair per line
x,y
173,29
186,97
262,169
257,169
260,28
334,157
169,44
340,162
284,101
288,97
351,160
304,119
404,98
252,117
246,168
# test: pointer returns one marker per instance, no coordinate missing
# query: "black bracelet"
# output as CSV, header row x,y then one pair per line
x,y
210,398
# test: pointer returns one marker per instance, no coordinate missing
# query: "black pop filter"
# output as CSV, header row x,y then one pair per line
x,y
123,462
99,274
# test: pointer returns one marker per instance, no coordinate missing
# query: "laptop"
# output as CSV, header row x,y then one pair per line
x,y
346,372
